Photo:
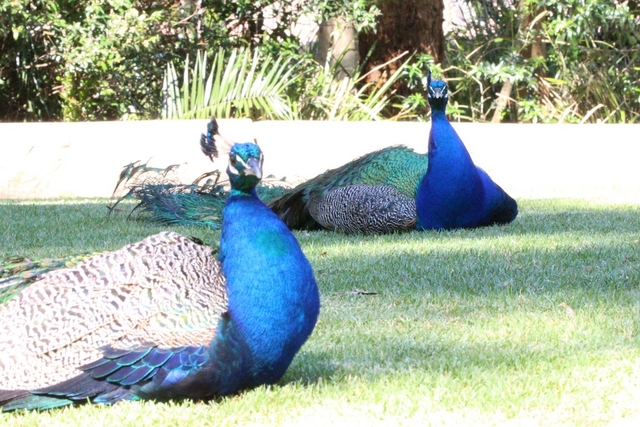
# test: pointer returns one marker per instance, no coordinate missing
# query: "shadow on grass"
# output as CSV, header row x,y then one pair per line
x,y
391,358
62,228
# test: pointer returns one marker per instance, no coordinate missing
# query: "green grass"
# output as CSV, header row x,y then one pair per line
x,y
465,328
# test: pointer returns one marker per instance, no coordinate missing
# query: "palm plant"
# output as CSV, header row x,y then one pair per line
x,y
348,98
238,83
244,84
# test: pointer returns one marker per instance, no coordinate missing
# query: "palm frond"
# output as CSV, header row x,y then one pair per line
x,y
238,83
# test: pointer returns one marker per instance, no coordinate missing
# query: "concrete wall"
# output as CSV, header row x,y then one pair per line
x,y
47,160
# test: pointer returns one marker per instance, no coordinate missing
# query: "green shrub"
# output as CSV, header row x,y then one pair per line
x,y
569,60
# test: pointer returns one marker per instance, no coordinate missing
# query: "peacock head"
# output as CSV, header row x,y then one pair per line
x,y
245,166
437,93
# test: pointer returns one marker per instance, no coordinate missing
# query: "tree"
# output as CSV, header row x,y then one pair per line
x,y
552,60
413,26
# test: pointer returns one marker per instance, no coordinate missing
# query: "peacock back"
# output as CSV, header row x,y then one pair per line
x,y
397,166
371,175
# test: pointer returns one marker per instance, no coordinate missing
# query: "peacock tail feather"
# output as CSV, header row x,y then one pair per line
x,y
164,202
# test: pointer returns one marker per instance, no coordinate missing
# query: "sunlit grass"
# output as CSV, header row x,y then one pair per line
x,y
452,328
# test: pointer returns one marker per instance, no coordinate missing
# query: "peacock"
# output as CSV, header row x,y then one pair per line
x,y
164,318
396,189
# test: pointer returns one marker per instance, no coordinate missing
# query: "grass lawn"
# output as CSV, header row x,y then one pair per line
x,y
534,323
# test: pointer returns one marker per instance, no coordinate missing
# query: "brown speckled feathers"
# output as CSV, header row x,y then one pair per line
x,y
164,290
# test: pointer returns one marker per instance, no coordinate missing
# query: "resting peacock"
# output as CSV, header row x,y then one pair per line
x,y
162,318
393,190
390,190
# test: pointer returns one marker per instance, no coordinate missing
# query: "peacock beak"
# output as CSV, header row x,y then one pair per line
x,y
254,167
438,92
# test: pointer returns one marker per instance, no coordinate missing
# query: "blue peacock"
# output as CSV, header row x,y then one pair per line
x,y
396,189
164,318
390,190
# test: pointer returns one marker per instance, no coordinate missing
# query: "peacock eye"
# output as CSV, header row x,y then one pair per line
x,y
232,159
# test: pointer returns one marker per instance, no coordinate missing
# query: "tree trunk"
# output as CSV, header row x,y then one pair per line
x,y
337,43
504,98
404,25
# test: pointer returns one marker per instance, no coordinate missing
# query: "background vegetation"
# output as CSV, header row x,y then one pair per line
x,y
505,60
566,60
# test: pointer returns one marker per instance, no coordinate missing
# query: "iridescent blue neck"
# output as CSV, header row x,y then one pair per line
x,y
269,282
438,114
235,192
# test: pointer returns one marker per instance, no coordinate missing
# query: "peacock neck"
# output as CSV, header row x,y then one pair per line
x,y
438,112
446,149
451,181
239,192
272,294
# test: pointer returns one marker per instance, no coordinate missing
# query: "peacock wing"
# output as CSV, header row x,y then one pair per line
x,y
396,166
364,209
164,291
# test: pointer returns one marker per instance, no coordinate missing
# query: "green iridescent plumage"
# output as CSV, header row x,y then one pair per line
x,y
397,166
360,196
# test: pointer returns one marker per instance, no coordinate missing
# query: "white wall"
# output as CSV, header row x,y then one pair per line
x,y
44,160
